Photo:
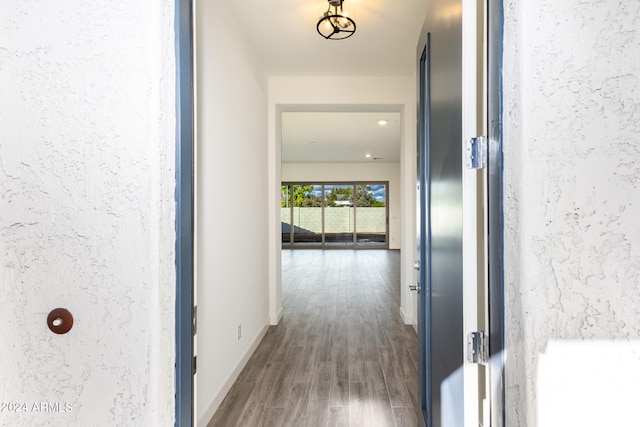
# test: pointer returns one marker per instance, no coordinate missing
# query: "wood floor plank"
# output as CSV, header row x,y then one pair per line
x,y
326,342
370,348
296,412
338,417
406,361
341,326
340,377
356,352
412,388
405,417
273,417
381,323
381,410
233,405
281,391
359,405
284,345
398,393
307,365
257,401
318,409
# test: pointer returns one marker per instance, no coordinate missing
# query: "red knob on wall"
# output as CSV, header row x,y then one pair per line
x,y
60,320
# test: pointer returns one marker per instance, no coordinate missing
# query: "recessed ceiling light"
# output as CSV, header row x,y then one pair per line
x,y
382,122
367,155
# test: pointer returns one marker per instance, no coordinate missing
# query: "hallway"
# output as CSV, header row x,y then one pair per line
x,y
341,356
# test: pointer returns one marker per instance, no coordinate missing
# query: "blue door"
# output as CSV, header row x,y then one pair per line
x,y
440,302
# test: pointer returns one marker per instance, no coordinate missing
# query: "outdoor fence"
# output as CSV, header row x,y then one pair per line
x,y
337,219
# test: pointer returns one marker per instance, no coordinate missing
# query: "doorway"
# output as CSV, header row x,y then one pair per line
x,y
286,94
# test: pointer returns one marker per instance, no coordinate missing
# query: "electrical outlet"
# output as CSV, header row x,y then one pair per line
x,y
239,331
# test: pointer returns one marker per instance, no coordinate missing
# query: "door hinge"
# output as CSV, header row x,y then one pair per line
x,y
477,153
477,349
195,364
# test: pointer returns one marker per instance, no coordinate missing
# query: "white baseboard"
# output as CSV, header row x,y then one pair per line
x,y
278,317
222,393
407,320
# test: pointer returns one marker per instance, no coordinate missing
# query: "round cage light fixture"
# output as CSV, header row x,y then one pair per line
x,y
335,24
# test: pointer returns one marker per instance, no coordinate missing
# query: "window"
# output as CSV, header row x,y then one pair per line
x,y
335,215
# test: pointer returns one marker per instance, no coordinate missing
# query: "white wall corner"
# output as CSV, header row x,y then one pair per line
x,y
277,318
274,179
406,319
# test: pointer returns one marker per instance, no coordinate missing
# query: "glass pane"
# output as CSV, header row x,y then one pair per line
x,y
307,215
285,214
371,214
338,215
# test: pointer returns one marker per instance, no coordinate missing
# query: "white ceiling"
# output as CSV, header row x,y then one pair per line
x,y
283,35
340,137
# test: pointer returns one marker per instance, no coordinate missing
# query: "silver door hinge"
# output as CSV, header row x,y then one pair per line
x,y
477,153
194,365
477,348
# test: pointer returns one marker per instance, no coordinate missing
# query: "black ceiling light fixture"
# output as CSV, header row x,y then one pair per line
x,y
335,24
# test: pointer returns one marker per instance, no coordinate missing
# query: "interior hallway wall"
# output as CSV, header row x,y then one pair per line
x,y
87,212
231,272
336,172
572,234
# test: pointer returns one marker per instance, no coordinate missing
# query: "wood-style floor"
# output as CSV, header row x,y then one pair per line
x,y
340,356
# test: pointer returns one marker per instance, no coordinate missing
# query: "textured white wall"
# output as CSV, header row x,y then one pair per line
x,y
232,249
572,170
87,212
308,172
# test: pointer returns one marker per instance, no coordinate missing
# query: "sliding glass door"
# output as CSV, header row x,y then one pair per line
x,y
338,215
334,215
371,215
285,214
306,218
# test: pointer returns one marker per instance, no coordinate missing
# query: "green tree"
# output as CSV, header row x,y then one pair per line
x,y
364,196
303,197
285,196
338,194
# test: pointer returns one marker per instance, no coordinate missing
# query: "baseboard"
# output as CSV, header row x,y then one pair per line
x,y
407,320
278,317
222,393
